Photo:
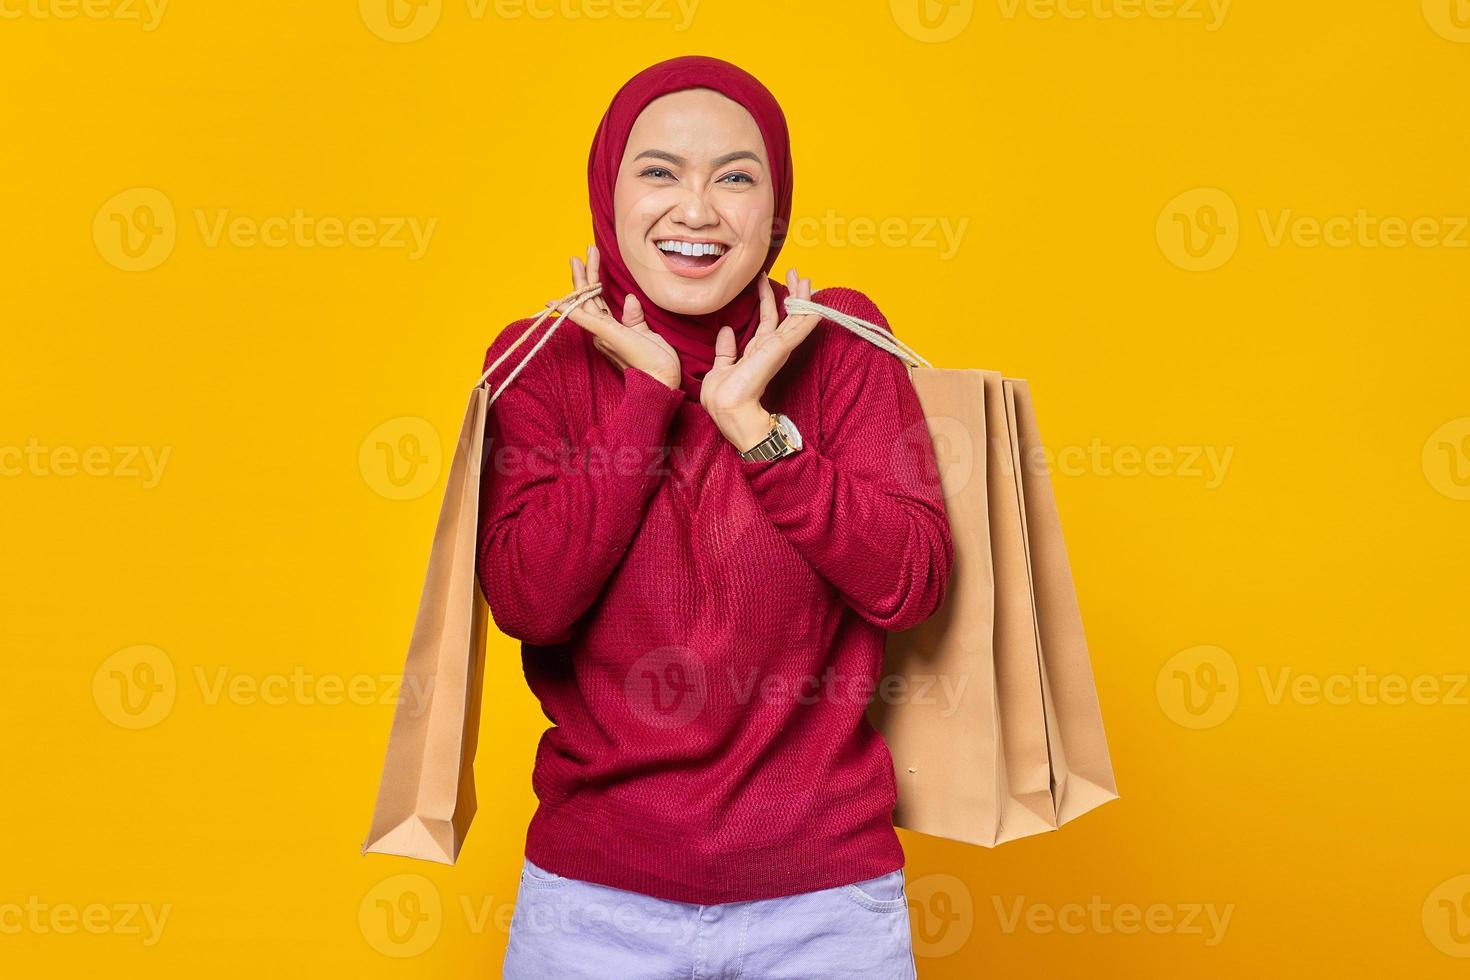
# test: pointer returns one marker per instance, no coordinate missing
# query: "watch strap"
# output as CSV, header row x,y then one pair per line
x,y
773,446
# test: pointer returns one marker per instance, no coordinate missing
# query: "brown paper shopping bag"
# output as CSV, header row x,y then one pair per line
x,y
426,795
1027,806
947,757
1081,766
1014,744
994,724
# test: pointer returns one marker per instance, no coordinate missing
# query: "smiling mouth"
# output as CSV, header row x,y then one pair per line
x,y
691,259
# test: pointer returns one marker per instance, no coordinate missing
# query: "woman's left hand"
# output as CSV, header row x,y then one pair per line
x,y
731,390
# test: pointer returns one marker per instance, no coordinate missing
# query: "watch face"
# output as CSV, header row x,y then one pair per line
x,y
788,428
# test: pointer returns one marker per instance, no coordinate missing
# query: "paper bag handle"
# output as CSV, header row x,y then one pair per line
x,y
880,336
576,298
872,332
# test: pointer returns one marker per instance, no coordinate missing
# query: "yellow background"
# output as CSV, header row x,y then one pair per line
x,y
271,554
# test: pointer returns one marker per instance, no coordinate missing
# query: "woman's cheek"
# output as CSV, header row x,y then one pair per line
x,y
755,239
754,228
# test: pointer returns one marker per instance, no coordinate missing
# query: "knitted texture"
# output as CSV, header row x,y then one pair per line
x,y
703,632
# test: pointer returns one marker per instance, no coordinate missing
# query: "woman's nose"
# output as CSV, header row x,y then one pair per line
x,y
695,212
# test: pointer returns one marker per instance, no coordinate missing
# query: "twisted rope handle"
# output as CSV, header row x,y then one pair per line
x,y
880,336
576,298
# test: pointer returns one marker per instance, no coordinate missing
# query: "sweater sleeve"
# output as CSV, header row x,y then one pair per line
x,y
558,510
862,502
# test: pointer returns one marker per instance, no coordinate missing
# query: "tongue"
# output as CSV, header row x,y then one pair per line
x,y
691,261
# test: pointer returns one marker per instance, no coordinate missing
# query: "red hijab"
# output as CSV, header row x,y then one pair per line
x,y
692,336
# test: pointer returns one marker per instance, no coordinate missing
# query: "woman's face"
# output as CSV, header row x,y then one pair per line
x,y
694,173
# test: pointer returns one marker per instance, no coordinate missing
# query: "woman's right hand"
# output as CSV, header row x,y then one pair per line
x,y
631,343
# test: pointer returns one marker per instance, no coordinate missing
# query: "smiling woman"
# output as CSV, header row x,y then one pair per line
x,y
694,186
676,618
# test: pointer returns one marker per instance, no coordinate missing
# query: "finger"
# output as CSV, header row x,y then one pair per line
x,y
724,348
803,322
594,267
798,328
586,305
800,288
590,320
632,312
768,307
579,282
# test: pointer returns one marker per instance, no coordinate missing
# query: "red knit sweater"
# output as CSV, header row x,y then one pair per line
x,y
703,632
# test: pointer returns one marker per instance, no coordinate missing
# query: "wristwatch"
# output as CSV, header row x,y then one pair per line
x,y
782,440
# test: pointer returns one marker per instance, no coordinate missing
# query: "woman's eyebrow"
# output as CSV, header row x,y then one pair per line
x,y
719,161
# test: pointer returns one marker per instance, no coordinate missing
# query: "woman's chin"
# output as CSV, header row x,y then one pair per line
x,y
692,298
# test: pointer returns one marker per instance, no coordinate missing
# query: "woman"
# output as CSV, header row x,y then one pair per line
x,y
701,517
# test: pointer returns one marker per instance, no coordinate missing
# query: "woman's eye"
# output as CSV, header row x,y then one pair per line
x,y
661,173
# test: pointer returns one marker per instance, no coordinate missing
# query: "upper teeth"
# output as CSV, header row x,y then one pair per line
x,y
691,248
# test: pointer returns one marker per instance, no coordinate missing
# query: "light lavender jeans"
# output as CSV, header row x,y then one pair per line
x,y
565,929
